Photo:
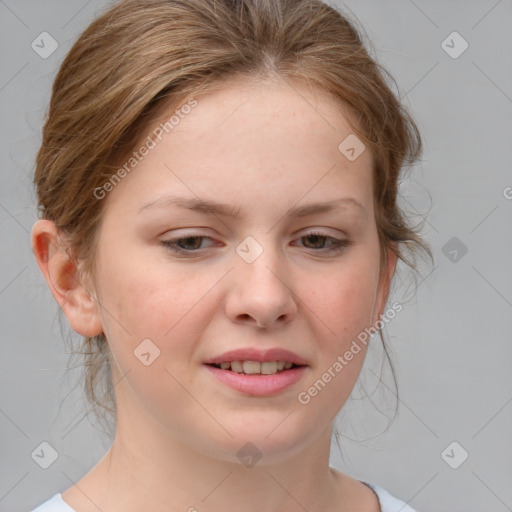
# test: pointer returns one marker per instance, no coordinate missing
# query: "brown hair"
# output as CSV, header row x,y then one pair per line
x,y
142,55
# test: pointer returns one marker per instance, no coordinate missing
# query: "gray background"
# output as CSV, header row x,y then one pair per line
x,y
451,344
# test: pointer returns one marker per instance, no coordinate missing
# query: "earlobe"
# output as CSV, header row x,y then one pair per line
x,y
63,279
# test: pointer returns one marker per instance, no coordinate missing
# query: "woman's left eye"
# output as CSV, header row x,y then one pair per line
x,y
335,243
193,243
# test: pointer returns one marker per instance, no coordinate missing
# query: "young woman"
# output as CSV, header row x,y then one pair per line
x,y
217,184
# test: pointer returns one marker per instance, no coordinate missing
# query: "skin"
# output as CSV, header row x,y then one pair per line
x,y
264,147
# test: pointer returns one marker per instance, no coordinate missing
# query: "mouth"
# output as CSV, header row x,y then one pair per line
x,y
257,379
256,367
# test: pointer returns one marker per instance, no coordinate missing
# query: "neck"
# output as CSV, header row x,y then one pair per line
x,y
147,468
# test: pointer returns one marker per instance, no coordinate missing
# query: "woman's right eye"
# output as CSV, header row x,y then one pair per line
x,y
175,244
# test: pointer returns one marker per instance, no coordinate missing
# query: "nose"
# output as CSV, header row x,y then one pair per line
x,y
260,292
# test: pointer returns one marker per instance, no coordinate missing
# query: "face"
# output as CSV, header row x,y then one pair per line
x,y
179,285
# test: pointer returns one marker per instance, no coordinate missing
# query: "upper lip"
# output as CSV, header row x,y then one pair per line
x,y
257,354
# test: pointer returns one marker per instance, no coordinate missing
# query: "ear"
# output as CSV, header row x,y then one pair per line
x,y
386,274
63,278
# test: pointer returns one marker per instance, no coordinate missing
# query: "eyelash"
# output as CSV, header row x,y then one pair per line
x,y
337,245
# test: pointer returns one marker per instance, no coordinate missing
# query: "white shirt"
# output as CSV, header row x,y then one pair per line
x,y
388,503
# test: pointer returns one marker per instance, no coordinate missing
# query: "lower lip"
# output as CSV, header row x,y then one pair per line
x,y
258,385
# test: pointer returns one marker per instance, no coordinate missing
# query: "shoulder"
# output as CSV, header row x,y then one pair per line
x,y
388,503
54,504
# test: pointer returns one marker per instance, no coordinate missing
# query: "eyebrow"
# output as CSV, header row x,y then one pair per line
x,y
213,207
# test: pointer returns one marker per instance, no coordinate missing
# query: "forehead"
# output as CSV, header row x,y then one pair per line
x,y
290,108
253,138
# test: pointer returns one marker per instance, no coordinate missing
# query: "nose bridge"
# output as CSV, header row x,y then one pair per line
x,y
260,260
260,289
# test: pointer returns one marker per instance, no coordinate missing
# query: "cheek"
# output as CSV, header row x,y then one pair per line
x,y
344,307
153,325
344,302
152,300
138,291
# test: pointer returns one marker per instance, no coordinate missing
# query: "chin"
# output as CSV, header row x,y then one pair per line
x,y
261,447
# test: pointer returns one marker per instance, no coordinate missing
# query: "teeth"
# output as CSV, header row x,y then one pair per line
x,y
252,367
255,367
237,367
